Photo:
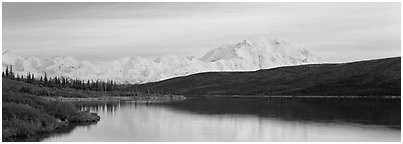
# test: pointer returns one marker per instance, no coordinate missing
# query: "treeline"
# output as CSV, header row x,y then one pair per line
x,y
62,82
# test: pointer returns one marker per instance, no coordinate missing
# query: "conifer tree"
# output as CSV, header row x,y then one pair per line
x,y
50,82
45,79
7,71
63,81
32,78
28,77
88,85
11,72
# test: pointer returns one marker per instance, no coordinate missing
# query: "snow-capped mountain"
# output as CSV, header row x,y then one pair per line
x,y
248,55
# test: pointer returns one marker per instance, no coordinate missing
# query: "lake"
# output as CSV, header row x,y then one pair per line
x,y
241,119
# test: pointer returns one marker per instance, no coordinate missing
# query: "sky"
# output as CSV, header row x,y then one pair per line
x,y
336,32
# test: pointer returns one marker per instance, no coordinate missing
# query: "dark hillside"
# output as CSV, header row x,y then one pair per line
x,y
380,77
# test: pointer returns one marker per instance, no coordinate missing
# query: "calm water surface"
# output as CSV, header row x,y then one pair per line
x,y
240,119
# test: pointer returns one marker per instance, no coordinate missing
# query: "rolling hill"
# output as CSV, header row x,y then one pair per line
x,y
379,77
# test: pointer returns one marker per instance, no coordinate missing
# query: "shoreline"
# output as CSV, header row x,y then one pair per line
x,y
38,137
116,98
279,96
181,97
80,118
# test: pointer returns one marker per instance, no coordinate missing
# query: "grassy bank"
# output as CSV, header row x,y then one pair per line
x,y
26,113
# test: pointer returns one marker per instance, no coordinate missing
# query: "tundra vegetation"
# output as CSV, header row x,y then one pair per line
x,y
28,111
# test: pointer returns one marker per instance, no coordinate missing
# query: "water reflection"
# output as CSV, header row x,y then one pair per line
x,y
238,120
366,111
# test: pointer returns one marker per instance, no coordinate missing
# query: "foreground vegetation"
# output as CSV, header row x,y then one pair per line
x,y
26,113
380,77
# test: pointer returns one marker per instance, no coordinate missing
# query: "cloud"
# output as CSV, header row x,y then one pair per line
x,y
148,29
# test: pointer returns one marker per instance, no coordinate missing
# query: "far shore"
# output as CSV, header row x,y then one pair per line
x,y
279,96
118,98
180,97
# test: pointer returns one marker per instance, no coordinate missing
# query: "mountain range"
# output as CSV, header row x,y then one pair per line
x,y
248,55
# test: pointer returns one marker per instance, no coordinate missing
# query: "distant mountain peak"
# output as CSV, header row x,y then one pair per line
x,y
258,49
245,43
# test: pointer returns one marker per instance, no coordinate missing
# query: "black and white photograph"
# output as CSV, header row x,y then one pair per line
x,y
220,71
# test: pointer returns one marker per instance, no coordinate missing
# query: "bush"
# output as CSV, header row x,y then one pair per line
x,y
27,90
23,120
26,115
42,92
60,110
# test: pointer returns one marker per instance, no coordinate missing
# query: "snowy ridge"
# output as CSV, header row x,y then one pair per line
x,y
248,55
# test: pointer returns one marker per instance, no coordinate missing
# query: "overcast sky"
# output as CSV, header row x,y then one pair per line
x,y
336,32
